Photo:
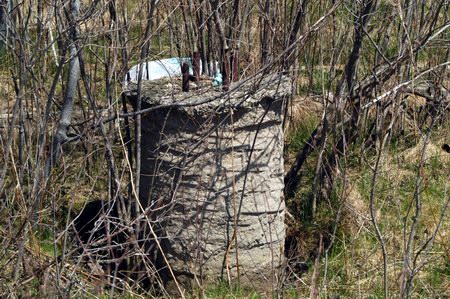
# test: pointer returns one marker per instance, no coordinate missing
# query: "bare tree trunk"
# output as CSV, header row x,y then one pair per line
x,y
296,28
410,269
314,290
317,137
265,33
71,90
201,25
144,52
3,24
225,50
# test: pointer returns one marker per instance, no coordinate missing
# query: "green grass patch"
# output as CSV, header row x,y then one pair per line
x,y
297,137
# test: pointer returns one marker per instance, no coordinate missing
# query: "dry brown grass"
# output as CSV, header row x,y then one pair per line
x,y
413,155
301,108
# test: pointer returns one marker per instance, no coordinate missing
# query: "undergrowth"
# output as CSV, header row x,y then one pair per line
x,y
352,266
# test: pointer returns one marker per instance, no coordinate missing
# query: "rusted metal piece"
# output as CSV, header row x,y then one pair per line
x,y
185,80
196,60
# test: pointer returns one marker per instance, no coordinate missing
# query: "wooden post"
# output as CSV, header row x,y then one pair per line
x,y
196,65
185,79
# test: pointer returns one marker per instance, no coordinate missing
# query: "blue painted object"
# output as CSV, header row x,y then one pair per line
x,y
217,80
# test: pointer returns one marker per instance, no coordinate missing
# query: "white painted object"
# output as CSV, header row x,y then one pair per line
x,y
156,69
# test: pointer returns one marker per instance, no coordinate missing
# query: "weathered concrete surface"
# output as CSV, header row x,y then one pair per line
x,y
213,175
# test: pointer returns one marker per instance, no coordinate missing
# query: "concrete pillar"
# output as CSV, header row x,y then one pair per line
x,y
212,179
